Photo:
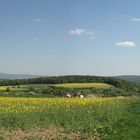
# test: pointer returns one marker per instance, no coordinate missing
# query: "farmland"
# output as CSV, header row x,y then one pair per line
x,y
109,109
68,85
13,88
99,118
56,90
60,85
82,85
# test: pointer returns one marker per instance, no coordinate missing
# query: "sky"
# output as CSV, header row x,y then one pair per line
x,y
70,37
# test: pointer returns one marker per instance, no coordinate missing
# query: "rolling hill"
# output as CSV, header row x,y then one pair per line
x,y
17,76
131,78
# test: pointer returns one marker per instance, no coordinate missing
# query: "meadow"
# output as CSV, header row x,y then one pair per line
x,y
69,118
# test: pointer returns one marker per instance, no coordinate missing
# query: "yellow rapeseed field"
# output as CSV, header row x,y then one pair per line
x,y
84,115
23,105
11,104
3,87
82,85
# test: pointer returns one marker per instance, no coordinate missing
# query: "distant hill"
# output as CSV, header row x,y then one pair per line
x,y
17,76
122,86
131,78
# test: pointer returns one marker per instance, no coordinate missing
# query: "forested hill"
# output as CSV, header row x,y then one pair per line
x,y
131,78
122,84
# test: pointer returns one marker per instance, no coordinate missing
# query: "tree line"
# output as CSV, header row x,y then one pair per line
x,y
118,83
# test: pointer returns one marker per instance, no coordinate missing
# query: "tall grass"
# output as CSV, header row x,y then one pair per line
x,y
103,117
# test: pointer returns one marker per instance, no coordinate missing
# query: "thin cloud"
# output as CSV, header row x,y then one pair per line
x,y
37,20
127,44
135,19
77,31
84,32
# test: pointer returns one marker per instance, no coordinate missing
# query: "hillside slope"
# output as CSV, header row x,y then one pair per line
x,y
131,78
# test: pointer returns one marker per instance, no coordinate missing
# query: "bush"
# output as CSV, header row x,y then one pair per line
x,y
8,89
31,89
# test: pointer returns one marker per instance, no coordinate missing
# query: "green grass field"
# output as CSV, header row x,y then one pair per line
x,y
73,119
13,88
82,85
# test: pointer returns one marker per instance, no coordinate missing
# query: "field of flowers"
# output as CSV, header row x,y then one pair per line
x,y
82,85
3,87
14,88
98,118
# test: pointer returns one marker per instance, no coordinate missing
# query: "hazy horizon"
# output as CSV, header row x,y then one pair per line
x,y
51,37
30,74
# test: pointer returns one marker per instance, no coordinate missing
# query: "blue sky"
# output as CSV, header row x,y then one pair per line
x,y
62,37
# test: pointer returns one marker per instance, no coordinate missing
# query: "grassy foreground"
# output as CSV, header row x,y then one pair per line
x,y
62,118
